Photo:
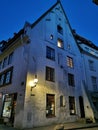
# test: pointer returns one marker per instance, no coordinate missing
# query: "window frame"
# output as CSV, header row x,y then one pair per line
x,y
70,62
5,62
94,82
72,107
60,29
50,105
61,101
60,43
4,74
50,53
71,80
10,58
50,74
91,65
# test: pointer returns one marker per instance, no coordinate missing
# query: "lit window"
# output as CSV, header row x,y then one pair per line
x,y
71,81
72,105
50,53
50,105
69,62
60,43
50,74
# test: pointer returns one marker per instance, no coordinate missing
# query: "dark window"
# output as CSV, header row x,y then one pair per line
x,y
61,101
91,65
59,29
50,53
2,79
6,77
72,105
94,82
5,62
10,58
50,105
0,65
71,79
50,74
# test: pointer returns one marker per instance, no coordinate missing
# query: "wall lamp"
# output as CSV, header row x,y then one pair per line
x,y
34,82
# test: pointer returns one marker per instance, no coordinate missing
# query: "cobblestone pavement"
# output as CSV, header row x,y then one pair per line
x,y
67,126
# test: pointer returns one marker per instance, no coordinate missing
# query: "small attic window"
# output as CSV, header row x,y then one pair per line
x,y
60,43
59,29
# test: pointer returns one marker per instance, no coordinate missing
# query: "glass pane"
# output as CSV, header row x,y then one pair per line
x,y
8,77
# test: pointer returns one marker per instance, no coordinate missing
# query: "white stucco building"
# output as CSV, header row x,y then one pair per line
x,y
41,73
89,58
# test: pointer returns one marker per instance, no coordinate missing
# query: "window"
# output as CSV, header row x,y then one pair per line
x,y
72,105
51,37
50,105
50,74
94,82
59,29
61,101
2,79
91,65
60,43
6,77
50,53
0,65
10,58
5,62
69,62
71,79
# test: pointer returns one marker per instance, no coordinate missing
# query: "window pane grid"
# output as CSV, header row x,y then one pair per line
x,y
50,74
69,62
72,105
50,105
50,53
71,79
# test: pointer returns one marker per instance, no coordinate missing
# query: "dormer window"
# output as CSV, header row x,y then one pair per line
x,y
59,29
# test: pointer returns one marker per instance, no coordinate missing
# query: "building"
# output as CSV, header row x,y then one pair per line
x,y
41,73
89,58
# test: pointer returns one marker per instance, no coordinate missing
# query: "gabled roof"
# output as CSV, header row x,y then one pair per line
x,y
40,18
9,42
4,44
82,40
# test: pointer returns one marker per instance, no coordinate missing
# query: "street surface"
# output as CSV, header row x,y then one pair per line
x,y
95,128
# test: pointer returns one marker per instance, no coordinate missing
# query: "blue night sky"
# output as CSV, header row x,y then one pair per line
x,y
82,15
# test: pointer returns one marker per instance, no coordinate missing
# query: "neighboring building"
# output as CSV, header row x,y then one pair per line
x,y
46,53
95,2
89,58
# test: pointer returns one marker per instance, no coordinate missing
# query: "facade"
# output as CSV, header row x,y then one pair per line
x,y
41,73
89,58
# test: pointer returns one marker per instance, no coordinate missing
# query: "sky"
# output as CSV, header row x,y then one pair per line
x,y
82,16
